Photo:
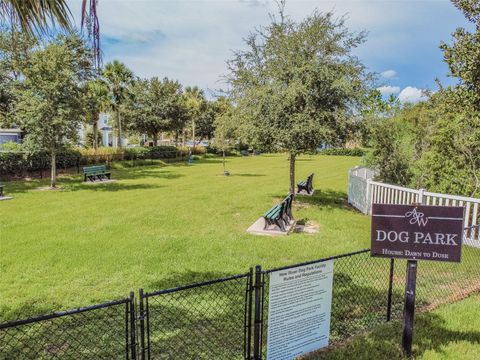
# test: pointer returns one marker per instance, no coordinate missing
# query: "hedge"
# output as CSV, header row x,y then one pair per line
x,y
18,163
342,151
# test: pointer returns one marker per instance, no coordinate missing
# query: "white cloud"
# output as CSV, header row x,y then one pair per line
x,y
389,74
412,95
388,90
190,40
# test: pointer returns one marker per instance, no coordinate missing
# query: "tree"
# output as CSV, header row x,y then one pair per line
x,y
50,104
225,127
205,124
156,107
96,101
36,16
297,85
15,48
374,109
119,79
195,103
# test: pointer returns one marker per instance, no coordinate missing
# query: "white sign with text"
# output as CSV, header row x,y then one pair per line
x,y
299,310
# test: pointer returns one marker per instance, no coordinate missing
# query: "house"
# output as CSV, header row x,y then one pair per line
x,y
107,137
13,135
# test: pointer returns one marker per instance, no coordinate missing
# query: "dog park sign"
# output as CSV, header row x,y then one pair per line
x,y
416,232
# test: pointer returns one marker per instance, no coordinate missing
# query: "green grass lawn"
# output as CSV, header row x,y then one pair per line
x,y
161,226
450,332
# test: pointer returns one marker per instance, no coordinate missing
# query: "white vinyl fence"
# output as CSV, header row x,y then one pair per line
x,y
363,191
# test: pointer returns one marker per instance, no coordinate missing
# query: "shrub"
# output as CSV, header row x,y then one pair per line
x,y
18,162
212,149
139,152
12,162
342,151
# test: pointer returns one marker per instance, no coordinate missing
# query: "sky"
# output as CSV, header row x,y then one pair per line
x,y
190,40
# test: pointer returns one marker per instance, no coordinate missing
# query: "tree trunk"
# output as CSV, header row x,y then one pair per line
x,y
176,138
155,139
53,169
183,137
95,131
119,130
223,155
292,173
193,137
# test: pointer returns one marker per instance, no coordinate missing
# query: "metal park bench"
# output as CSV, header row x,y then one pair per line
x,y
280,214
94,173
306,185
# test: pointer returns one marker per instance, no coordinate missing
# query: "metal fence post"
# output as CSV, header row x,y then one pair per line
x,y
141,318
248,352
133,325
257,328
390,289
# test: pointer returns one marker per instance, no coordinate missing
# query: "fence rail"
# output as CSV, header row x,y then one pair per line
x,y
227,318
103,331
363,191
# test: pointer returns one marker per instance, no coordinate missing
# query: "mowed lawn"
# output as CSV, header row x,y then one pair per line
x,y
162,226
451,332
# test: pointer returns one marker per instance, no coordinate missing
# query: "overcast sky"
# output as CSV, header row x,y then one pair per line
x,y
189,40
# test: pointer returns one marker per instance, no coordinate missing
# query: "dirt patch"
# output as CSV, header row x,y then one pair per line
x,y
49,188
308,227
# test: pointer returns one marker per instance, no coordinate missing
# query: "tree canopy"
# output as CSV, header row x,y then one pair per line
x,y
297,84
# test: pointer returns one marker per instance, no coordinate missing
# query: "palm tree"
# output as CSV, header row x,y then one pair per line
x,y
195,101
35,17
97,100
118,78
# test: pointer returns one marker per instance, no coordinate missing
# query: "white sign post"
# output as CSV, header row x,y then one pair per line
x,y
299,310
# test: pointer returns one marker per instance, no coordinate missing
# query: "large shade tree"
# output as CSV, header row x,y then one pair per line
x,y
157,107
50,105
119,80
297,85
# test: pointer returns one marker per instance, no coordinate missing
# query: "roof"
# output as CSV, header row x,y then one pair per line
x,y
10,131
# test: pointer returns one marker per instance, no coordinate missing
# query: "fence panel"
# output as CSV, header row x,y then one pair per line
x,y
97,332
363,192
360,301
200,321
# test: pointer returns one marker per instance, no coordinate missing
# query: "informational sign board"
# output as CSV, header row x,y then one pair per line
x,y
417,232
299,310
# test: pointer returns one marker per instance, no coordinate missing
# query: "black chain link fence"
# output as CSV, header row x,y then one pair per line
x,y
97,332
201,321
227,318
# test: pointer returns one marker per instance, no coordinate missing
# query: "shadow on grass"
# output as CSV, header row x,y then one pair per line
x,y
247,175
384,342
184,278
326,199
112,186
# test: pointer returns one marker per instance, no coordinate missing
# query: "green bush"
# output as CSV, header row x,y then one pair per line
x,y
212,149
139,152
342,151
19,162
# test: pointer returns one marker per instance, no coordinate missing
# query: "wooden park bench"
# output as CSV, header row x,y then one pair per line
x,y
306,185
280,214
96,173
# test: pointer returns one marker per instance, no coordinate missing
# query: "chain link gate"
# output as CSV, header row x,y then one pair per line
x,y
207,320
